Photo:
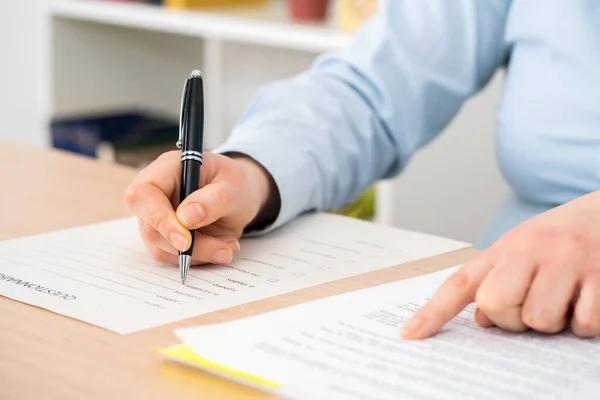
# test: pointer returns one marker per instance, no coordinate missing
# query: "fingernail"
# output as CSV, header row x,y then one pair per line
x,y
235,244
223,256
178,241
192,215
412,326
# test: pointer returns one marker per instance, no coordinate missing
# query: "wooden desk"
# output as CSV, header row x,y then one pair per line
x,y
47,356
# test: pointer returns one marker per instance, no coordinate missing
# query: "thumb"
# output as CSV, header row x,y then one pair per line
x,y
206,205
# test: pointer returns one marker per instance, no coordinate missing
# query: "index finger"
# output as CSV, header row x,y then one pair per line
x,y
457,292
149,197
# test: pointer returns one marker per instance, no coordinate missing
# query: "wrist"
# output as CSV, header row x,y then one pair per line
x,y
264,188
258,177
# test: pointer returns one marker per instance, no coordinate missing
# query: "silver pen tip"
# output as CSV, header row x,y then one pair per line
x,y
195,73
184,265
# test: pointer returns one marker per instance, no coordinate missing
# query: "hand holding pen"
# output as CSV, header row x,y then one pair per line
x,y
225,195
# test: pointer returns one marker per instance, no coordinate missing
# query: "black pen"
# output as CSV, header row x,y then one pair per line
x,y
191,132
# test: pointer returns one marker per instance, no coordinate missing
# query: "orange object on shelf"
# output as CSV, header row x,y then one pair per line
x,y
188,4
353,13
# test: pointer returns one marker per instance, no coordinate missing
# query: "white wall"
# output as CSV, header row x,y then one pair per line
x,y
19,98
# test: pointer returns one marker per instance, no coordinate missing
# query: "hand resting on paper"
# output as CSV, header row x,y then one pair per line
x,y
543,275
235,192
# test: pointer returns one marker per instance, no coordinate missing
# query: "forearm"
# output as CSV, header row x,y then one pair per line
x,y
359,115
321,143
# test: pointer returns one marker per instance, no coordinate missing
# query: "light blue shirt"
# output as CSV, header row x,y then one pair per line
x,y
358,115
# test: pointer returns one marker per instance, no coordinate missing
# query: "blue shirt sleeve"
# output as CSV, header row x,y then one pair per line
x,y
358,115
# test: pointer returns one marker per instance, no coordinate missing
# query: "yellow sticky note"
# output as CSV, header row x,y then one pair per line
x,y
184,354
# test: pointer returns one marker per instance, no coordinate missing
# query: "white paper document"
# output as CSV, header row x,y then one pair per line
x,y
102,274
349,347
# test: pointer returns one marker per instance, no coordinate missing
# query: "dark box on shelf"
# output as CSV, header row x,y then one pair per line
x,y
116,136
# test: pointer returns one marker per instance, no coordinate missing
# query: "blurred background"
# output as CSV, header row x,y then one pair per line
x,y
103,78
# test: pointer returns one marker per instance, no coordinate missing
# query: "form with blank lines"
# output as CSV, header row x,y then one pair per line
x,y
88,273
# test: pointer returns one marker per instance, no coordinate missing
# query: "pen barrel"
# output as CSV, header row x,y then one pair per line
x,y
194,116
192,143
191,183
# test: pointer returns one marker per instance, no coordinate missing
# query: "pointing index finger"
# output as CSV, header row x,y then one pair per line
x,y
457,292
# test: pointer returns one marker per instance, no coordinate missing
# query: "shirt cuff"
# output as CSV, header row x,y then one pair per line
x,y
293,175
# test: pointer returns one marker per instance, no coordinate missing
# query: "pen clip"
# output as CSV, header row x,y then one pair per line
x,y
179,143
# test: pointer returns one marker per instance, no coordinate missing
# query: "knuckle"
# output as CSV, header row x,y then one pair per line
x,y
550,243
541,320
210,157
132,195
220,196
459,279
526,244
543,233
157,254
159,220
168,156
576,241
489,301
510,237
517,239
149,233
568,245
588,324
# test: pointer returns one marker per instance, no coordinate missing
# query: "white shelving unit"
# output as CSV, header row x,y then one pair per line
x,y
268,26
106,55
